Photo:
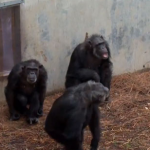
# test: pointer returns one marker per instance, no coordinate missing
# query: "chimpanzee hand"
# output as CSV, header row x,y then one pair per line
x,y
107,101
32,120
96,77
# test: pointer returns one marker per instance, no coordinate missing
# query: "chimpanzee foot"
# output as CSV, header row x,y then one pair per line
x,y
40,112
15,116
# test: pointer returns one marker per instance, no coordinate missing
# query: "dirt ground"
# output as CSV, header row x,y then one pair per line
x,y
125,121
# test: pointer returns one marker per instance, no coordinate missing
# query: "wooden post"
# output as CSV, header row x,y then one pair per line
x,y
86,36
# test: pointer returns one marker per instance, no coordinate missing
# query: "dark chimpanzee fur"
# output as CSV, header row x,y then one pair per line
x,y
73,111
90,61
26,86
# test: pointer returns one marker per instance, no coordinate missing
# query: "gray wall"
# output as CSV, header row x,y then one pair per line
x,y
52,28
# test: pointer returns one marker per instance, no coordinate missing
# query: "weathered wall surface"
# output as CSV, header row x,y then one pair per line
x,y
51,29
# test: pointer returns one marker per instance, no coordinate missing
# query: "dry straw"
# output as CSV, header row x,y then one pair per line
x,y
125,121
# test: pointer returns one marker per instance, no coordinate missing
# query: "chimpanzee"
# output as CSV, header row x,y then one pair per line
x,y
26,87
90,60
73,111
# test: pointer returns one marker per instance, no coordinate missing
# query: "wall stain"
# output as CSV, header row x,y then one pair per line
x,y
64,11
137,33
44,27
44,56
143,38
119,36
102,32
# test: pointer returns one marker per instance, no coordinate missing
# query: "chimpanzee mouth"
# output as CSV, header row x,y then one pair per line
x,y
31,81
105,55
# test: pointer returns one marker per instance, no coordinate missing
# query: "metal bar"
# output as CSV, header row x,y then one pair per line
x,y
11,3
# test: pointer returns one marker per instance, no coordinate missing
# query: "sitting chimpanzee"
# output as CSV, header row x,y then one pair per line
x,y
26,86
90,61
73,111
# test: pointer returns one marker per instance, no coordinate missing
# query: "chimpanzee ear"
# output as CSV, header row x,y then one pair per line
x,y
23,67
89,44
40,66
102,37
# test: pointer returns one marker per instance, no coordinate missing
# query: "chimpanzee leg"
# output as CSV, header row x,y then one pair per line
x,y
10,98
74,145
32,112
21,103
73,133
82,136
95,128
70,144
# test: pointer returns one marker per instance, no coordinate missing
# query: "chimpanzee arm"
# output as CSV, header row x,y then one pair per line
x,y
42,89
95,128
106,74
87,74
10,96
34,106
77,71
42,93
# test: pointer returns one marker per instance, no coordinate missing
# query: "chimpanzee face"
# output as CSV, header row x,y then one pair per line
x,y
98,46
31,73
99,92
100,51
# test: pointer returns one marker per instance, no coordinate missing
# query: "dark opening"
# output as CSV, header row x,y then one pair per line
x,y
10,44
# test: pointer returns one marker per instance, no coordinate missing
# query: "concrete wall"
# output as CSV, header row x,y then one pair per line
x,y
52,28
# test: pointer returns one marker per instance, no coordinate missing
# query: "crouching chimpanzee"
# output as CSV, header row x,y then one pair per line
x,y
90,61
73,111
26,86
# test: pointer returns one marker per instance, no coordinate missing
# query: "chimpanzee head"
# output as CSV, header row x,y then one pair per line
x,y
30,72
99,93
97,45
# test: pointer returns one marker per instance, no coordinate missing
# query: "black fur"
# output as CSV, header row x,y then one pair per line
x,y
73,111
20,92
87,63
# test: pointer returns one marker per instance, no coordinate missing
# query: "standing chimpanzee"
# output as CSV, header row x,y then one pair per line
x,y
26,86
90,61
73,111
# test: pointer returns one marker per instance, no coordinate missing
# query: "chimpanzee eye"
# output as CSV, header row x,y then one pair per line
x,y
35,70
32,69
98,44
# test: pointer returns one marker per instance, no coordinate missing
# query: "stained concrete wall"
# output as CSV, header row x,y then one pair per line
x,y
52,28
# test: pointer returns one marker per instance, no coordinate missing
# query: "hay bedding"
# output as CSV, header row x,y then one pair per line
x,y
125,121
